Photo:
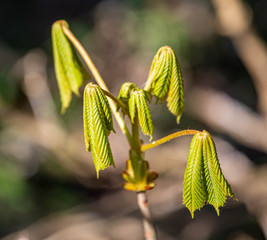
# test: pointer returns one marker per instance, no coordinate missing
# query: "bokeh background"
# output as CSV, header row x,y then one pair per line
x,y
48,186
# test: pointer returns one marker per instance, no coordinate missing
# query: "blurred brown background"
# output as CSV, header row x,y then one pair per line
x,y
48,187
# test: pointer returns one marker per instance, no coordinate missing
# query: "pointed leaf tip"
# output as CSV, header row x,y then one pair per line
x,y
194,194
203,179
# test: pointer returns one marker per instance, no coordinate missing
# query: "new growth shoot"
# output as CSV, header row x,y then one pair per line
x,y
204,182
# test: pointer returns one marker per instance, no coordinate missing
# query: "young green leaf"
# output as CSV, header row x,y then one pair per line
x,y
125,92
97,126
165,80
217,186
132,107
203,179
144,116
194,194
70,73
175,97
161,84
138,102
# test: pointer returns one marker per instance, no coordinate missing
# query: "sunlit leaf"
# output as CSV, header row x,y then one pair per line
x,y
203,179
194,194
161,84
165,80
132,107
97,126
144,116
70,73
138,103
175,97
217,186
125,90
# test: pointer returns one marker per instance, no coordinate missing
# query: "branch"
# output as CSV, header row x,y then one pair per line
x,y
149,228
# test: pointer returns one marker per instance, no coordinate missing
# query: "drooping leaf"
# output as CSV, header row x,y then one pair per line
x,y
175,97
194,193
225,185
132,107
70,73
216,195
165,80
144,116
138,103
203,180
217,186
105,110
125,90
97,126
157,67
161,84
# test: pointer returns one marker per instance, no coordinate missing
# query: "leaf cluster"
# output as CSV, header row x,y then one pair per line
x,y
203,179
165,81
137,101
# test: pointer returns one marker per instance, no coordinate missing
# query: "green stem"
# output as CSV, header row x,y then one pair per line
x,y
149,228
168,138
136,144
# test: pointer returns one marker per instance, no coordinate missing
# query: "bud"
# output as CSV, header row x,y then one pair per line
x,y
137,175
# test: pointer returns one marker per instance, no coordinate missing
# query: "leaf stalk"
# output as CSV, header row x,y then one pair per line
x,y
158,142
89,63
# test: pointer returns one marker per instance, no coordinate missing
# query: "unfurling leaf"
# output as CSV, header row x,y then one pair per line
x,y
70,73
217,186
138,103
165,80
97,120
125,92
203,179
194,193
